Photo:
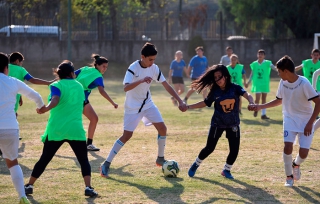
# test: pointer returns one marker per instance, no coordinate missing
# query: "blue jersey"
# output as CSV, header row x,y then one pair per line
x,y
226,106
198,65
177,68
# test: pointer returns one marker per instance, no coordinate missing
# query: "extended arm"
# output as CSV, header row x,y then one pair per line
x,y
106,96
248,97
273,103
273,68
200,104
53,103
40,81
298,67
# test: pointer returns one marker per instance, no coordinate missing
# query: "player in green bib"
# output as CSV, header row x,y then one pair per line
x,y
64,125
17,71
260,76
309,66
91,77
237,74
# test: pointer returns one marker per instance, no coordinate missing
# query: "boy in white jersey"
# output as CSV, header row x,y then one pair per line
x,y
9,127
295,93
139,105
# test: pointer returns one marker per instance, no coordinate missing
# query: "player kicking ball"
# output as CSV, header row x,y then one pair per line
x,y
139,105
295,93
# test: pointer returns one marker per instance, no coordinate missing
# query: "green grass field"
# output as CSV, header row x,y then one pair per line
x,y
134,177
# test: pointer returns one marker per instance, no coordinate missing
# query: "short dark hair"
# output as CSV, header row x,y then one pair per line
x,y
228,48
98,60
149,49
286,63
16,56
64,69
199,48
315,51
4,61
261,51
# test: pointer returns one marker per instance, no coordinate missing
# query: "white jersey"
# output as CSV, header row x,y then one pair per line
x,y
139,98
9,88
296,102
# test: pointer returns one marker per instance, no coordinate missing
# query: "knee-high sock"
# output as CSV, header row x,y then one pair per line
x,y
287,159
263,111
161,145
115,149
298,160
227,167
17,179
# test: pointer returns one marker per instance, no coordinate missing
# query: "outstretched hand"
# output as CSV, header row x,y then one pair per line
x,y
147,79
183,107
41,110
254,107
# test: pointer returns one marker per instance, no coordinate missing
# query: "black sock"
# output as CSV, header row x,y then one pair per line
x,y
89,141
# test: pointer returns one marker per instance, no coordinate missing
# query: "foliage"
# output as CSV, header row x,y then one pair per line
x,y
299,16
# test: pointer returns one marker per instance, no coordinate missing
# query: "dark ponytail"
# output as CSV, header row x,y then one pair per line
x,y
64,70
98,60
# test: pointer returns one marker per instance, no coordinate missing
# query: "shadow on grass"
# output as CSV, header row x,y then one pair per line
x,y
305,193
3,167
251,193
261,122
162,194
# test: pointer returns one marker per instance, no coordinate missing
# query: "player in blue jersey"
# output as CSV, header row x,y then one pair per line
x,y
225,96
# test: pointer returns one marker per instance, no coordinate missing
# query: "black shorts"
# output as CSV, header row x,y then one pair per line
x,y
85,102
177,80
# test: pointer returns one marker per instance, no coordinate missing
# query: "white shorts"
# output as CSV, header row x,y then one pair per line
x,y
9,143
149,116
304,141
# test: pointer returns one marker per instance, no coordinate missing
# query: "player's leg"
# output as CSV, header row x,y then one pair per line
x,y
93,121
305,144
79,149
49,150
264,111
257,101
213,137
130,122
289,138
233,136
9,144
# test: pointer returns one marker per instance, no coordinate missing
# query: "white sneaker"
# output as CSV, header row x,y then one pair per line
x,y
296,172
93,148
289,182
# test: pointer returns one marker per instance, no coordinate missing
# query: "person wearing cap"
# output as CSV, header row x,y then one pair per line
x,y
64,125
9,127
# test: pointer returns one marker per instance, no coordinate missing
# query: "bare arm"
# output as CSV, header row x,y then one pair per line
x,y
298,68
188,71
106,96
248,97
170,77
273,68
273,103
40,81
129,86
53,103
199,104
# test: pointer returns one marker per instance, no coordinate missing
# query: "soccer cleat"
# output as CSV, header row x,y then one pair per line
x,y
265,117
193,169
104,169
296,171
93,148
255,113
227,174
289,182
20,138
89,191
24,200
28,189
160,161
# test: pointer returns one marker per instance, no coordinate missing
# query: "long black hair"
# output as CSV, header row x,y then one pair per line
x,y
98,60
207,79
64,70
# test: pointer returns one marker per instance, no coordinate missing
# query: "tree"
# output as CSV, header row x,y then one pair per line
x,y
300,17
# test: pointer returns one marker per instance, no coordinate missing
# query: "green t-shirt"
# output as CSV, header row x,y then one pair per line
x,y
261,76
65,120
308,68
17,72
236,74
87,75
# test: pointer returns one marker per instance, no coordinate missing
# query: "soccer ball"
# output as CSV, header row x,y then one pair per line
x,y
170,168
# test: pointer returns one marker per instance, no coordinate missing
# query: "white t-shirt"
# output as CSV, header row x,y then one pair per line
x,y
139,98
9,88
296,103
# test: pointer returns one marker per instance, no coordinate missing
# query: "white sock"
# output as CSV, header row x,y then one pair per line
x,y
287,159
263,111
161,145
198,161
316,124
115,149
227,167
17,180
298,160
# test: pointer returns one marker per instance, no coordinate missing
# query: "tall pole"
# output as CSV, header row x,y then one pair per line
x,y
69,30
